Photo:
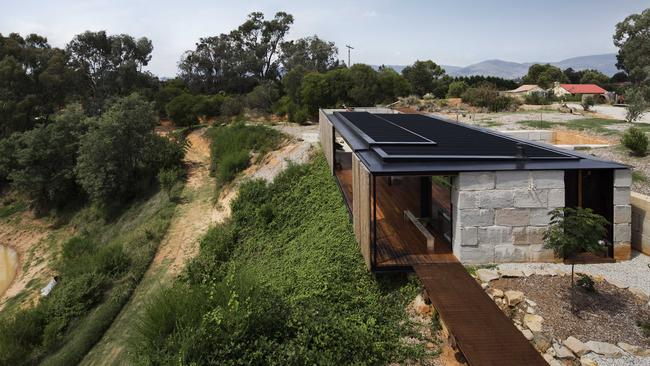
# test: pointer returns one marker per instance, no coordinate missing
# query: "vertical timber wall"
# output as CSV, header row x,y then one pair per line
x,y
361,208
326,138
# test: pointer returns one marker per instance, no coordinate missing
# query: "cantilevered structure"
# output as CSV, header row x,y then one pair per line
x,y
427,190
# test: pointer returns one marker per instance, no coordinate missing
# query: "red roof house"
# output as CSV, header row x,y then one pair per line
x,y
589,89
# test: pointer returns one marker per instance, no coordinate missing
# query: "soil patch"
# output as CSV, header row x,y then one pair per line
x,y
608,315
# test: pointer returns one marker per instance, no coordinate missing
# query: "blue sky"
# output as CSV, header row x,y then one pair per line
x,y
384,32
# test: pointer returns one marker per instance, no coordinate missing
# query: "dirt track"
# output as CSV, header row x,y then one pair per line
x,y
193,217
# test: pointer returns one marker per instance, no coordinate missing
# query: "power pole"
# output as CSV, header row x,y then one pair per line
x,y
349,48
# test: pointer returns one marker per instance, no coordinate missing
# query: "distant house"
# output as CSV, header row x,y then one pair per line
x,y
524,90
592,90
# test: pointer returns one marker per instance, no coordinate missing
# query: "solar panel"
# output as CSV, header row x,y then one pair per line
x,y
381,131
412,136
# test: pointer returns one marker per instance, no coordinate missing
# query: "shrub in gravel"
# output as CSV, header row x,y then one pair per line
x,y
586,282
636,141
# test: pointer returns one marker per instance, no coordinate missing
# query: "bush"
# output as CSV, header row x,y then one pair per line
x,y
588,102
263,97
636,105
168,179
231,164
231,106
182,111
487,96
635,140
456,89
539,98
586,282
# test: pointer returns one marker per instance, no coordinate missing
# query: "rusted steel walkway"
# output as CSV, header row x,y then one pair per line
x,y
484,335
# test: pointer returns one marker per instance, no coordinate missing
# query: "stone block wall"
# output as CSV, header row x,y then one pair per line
x,y
622,214
502,216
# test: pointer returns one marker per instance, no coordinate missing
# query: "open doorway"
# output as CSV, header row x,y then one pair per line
x,y
412,219
592,189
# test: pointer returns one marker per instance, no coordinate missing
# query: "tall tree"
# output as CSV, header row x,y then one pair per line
x,y
423,75
544,75
594,77
311,53
237,61
111,65
632,37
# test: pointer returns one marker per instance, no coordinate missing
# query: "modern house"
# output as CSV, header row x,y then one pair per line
x,y
428,190
525,90
592,90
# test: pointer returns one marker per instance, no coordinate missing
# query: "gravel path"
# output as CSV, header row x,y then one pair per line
x,y
627,360
632,273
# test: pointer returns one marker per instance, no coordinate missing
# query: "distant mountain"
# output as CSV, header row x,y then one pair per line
x,y
605,63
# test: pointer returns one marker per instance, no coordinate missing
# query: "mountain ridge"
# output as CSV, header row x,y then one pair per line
x,y
605,63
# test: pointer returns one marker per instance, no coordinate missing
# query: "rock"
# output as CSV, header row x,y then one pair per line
x,y
511,273
576,346
634,350
528,272
528,334
560,272
430,345
487,275
548,358
533,322
485,285
420,306
541,342
514,297
530,310
641,294
531,302
604,348
563,352
495,292
586,361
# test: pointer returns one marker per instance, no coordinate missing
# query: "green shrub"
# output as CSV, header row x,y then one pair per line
x,y
588,102
456,89
635,140
231,164
539,98
586,282
20,333
181,110
487,96
231,147
231,106
168,179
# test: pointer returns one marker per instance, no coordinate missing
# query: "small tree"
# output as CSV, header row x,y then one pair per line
x,y
588,102
636,105
636,141
573,231
168,178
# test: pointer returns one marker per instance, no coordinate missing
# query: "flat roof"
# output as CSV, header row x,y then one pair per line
x,y
414,143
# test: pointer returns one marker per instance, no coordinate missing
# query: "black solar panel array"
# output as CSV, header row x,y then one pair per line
x,y
451,140
381,130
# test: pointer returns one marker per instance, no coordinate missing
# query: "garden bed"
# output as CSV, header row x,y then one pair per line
x,y
609,314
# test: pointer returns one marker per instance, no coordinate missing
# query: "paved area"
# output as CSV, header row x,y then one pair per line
x,y
613,112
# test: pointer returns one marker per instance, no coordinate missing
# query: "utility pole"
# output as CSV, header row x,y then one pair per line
x,y
349,48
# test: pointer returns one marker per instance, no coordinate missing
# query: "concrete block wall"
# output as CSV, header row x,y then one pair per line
x,y
502,216
531,135
622,225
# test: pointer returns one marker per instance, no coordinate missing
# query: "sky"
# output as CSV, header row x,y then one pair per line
x,y
456,32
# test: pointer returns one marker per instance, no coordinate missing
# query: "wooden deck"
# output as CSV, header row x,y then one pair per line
x,y
484,335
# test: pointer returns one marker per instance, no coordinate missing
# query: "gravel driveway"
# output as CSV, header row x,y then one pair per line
x,y
613,112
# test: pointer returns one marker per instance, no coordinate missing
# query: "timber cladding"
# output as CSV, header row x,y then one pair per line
x,y
361,207
326,138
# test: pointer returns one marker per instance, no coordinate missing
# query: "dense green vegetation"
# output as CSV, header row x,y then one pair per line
x,y
282,283
231,147
636,141
98,270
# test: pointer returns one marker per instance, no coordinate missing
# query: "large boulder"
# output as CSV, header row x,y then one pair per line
x,y
576,346
533,322
513,298
487,275
605,349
